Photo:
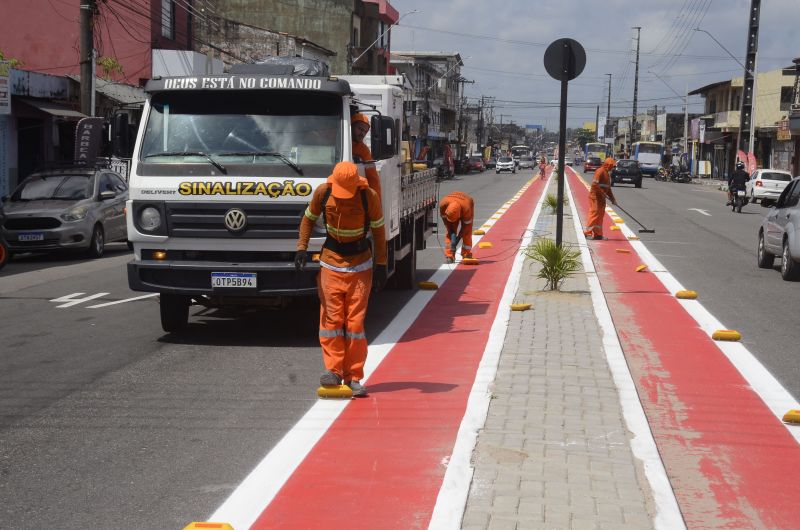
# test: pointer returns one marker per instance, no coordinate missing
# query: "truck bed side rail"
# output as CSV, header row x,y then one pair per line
x,y
419,190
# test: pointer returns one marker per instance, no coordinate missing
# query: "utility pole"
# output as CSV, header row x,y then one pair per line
x,y
634,136
608,109
88,8
479,139
746,117
686,123
597,124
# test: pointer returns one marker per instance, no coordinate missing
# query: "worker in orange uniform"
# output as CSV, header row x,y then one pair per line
x,y
457,210
600,189
349,270
359,124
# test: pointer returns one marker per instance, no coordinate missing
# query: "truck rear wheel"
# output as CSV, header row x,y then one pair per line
x,y
405,271
174,312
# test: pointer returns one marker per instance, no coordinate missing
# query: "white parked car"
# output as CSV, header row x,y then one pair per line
x,y
568,161
766,185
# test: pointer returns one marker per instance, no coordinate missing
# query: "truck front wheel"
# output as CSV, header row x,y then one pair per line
x,y
405,272
174,312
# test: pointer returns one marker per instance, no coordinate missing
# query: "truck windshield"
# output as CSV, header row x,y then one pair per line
x,y
244,127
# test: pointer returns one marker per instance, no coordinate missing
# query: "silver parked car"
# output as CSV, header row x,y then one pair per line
x,y
75,208
779,234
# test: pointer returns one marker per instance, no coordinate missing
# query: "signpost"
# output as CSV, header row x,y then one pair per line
x,y
564,60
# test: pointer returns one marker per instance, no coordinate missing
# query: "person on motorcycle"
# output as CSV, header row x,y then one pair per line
x,y
737,181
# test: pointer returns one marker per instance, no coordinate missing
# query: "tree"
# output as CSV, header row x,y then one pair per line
x,y
584,135
15,63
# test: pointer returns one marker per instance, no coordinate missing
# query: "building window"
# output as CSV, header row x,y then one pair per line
x,y
168,19
712,105
383,35
786,97
356,37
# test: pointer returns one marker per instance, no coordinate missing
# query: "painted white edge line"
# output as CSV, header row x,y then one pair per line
x,y
761,380
643,445
452,499
246,503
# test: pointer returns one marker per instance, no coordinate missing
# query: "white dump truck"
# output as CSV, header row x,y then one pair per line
x,y
224,167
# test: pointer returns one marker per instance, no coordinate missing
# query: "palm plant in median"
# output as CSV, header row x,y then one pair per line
x,y
551,201
557,263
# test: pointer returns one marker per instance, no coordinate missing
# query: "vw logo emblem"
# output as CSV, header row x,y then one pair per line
x,y
235,220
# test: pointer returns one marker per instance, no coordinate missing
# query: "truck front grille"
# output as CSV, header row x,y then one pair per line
x,y
207,220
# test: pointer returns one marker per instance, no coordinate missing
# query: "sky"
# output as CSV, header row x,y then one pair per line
x,y
502,44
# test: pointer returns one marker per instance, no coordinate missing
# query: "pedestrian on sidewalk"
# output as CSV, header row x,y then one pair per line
x,y
359,125
457,210
600,189
348,270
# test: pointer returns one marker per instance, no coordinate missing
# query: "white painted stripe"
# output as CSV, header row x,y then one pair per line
x,y
151,295
259,488
71,299
643,446
763,383
452,499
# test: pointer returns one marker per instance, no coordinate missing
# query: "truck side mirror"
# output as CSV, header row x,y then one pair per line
x,y
383,136
120,136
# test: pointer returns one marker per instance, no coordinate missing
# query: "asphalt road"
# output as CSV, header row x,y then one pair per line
x,y
712,250
108,422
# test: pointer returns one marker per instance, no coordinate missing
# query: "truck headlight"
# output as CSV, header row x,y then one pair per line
x,y
75,214
150,219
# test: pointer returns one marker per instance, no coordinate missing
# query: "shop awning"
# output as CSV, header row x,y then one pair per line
x,y
53,109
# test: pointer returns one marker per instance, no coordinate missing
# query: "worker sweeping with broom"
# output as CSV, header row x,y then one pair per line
x,y
600,189
457,210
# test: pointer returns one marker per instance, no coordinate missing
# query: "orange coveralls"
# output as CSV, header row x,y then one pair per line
x,y
458,207
344,282
600,189
363,157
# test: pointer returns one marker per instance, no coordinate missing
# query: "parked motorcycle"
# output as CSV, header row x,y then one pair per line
x,y
739,199
661,174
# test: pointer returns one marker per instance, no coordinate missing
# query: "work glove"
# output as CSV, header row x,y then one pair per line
x,y
300,259
378,278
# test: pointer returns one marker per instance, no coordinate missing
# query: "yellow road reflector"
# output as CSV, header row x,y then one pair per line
x,y
633,238
686,295
623,250
478,232
614,227
206,525
470,261
334,392
618,220
520,307
726,334
793,416
428,286
485,244
641,268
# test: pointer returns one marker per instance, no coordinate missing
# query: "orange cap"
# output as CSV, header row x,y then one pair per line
x,y
453,212
358,117
344,180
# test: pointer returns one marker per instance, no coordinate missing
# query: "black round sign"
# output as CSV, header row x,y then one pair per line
x,y
564,59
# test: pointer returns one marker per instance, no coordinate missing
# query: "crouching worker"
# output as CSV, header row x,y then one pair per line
x,y
348,270
457,210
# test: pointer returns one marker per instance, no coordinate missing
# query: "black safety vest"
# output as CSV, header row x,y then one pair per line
x,y
351,248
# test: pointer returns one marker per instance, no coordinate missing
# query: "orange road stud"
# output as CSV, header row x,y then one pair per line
x,y
485,244
206,526
793,416
470,261
623,251
641,268
428,286
633,238
334,392
614,227
520,307
730,335
686,295
479,232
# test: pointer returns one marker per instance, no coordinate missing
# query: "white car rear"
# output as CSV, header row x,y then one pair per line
x,y
766,185
505,163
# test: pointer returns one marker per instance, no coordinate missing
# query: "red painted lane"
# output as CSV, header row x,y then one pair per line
x,y
729,460
382,462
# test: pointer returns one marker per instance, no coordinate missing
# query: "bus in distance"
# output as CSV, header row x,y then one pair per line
x,y
595,149
649,155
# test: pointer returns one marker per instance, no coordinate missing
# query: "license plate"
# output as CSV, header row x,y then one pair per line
x,y
740,193
31,236
234,280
